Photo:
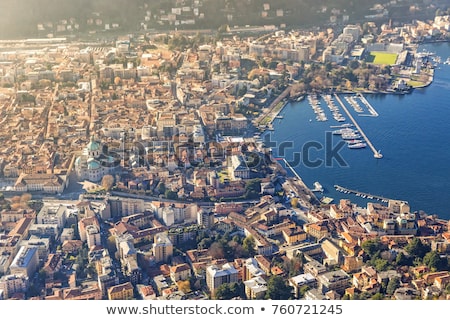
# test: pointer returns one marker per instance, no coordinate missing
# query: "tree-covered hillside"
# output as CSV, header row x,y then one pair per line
x,y
22,17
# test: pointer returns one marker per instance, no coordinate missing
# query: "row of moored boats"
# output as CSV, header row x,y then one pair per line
x,y
351,136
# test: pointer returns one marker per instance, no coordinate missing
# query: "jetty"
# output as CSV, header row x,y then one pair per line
x,y
376,152
361,194
373,112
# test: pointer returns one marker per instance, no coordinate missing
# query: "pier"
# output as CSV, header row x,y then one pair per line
x,y
376,153
373,112
361,194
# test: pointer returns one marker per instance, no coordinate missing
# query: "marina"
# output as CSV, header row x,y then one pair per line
x,y
333,108
355,105
376,153
361,194
404,171
315,105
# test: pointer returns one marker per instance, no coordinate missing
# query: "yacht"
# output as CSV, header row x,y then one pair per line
x,y
344,131
351,136
357,145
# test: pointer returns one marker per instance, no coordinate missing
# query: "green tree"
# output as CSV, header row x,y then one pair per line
x,y
252,188
402,260
161,188
249,246
169,194
393,284
417,248
228,291
434,261
303,290
223,292
371,247
377,296
278,289
381,264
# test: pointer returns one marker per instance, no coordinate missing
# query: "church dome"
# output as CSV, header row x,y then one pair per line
x,y
93,145
93,164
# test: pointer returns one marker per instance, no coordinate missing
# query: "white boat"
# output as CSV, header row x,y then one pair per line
x,y
354,141
344,131
357,145
351,136
318,187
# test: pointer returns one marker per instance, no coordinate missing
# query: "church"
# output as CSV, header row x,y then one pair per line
x,y
92,164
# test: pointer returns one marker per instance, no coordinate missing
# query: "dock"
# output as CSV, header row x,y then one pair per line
x,y
361,194
376,153
373,112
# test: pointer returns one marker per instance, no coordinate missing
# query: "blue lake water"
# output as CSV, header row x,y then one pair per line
x,y
412,131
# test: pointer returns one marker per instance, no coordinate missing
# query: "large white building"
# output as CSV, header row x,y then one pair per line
x,y
92,165
216,276
52,214
162,248
26,261
93,236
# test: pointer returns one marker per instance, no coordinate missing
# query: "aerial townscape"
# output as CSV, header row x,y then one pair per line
x,y
134,163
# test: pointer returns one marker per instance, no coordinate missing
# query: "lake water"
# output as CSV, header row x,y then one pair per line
x,y
412,131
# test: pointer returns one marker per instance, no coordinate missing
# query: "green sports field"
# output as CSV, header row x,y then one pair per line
x,y
377,57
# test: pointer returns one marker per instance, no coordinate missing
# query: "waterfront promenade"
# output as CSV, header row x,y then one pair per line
x,y
376,153
267,117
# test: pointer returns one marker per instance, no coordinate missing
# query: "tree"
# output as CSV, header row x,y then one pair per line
x,y
161,188
216,250
402,260
184,286
24,198
434,261
393,284
278,289
228,291
172,195
377,296
252,188
416,248
303,290
371,247
107,182
294,202
111,245
249,246
381,264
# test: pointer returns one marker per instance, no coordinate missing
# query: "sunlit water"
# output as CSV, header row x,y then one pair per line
x,y
412,131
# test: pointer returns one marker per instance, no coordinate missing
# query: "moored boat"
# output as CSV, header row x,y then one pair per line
x,y
357,145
